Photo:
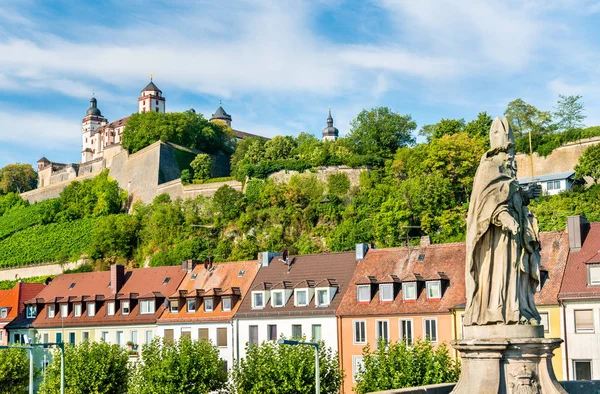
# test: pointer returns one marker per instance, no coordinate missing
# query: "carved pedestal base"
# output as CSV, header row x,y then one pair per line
x,y
507,366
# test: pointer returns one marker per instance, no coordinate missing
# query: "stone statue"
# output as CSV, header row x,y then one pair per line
x,y
503,246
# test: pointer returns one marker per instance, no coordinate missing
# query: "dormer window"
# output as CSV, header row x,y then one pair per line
x,y
91,309
31,311
110,309
174,306
363,293
226,304
258,299
3,313
594,274
277,298
51,312
301,297
191,305
125,308
208,305
147,307
409,291
77,310
386,292
64,310
323,299
434,289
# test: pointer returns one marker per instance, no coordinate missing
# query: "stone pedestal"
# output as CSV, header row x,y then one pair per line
x,y
501,359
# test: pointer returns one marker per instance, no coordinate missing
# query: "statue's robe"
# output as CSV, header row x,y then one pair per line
x,y
502,268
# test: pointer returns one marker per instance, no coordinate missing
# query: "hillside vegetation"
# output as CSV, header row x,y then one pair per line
x,y
406,190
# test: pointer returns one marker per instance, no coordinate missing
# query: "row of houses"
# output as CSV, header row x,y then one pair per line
x,y
347,300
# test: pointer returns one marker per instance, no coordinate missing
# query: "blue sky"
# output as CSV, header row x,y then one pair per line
x,y
277,65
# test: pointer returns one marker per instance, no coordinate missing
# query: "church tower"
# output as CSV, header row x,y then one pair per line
x,y
330,133
93,120
151,99
220,116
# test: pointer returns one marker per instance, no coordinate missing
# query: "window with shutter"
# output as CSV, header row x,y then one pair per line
x,y
584,321
222,337
203,334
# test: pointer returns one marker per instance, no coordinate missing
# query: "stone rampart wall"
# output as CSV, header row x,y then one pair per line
x,y
175,189
38,270
52,191
322,173
562,159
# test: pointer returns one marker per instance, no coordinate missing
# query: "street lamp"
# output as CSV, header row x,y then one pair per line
x,y
316,346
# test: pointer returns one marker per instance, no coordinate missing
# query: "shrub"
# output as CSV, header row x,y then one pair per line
x,y
186,177
90,367
14,371
283,369
185,366
338,184
202,166
398,365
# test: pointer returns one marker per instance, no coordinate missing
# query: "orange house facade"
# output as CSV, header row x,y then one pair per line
x,y
400,293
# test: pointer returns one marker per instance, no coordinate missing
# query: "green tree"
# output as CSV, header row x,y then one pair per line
x,y
479,127
270,368
397,366
569,112
90,367
338,184
524,118
589,163
202,166
14,371
380,132
184,367
184,128
227,201
443,127
114,236
17,178
279,147
11,201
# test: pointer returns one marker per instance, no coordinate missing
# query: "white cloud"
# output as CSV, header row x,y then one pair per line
x,y
36,129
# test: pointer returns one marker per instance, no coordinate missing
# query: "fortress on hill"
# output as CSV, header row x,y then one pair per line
x,y
145,174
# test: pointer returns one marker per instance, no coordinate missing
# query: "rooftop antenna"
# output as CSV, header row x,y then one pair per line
x,y
150,77
220,103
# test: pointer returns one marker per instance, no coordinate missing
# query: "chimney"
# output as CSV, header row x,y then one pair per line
x,y
265,257
425,241
576,228
117,277
361,251
189,265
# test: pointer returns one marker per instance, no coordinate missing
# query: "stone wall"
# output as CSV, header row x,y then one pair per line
x,y
175,189
38,270
562,159
52,191
322,173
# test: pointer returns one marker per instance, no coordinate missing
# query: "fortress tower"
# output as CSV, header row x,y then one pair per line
x,y
220,116
151,99
92,121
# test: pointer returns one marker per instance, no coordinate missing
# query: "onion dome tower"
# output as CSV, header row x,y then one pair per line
x,y
330,133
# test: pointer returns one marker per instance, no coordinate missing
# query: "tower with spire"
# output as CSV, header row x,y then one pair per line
x,y
151,99
92,121
220,116
330,133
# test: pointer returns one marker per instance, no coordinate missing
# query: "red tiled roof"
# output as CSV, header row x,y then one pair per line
x,y
95,285
325,270
222,279
15,298
575,281
444,262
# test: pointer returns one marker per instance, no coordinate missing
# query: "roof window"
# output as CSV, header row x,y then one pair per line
x,y
421,257
241,273
72,285
167,279
194,276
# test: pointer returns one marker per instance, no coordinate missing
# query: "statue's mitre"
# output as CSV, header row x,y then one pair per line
x,y
501,133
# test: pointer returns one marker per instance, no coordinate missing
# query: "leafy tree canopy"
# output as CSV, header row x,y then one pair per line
x,y
184,128
90,367
180,367
270,368
569,113
397,366
14,371
17,178
380,132
202,166
589,163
